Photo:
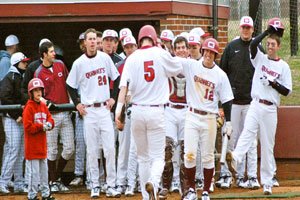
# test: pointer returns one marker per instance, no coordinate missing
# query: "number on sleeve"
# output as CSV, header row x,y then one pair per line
x,y
149,73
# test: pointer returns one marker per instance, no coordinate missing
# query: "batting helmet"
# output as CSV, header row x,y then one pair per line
x,y
211,44
35,83
149,32
277,25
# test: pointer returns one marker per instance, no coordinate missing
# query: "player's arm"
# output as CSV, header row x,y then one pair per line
x,y
73,92
29,125
279,88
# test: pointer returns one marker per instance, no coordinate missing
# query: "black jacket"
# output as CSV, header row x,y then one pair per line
x,y
11,91
236,63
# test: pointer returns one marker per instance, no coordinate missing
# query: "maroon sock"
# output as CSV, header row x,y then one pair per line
x,y
208,175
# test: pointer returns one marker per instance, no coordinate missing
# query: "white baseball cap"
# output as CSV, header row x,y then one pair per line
x,y
18,57
81,37
43,40
11,40
246,21
193,39
110,33
129,40
184,34
167,35
124,32
199,31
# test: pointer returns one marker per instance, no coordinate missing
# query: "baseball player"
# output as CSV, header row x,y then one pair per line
x,y
129,45
175,117
99,41
37,120
89,74
124,32
147,70
236,64
12,163
207,84
54,73
195,45
166,37
272,78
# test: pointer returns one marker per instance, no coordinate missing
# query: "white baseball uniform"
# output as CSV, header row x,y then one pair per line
x,y
205,88
91,74
262,114
147,71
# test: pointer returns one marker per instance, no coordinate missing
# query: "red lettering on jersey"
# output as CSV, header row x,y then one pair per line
x,y
204,82
269,72
94,72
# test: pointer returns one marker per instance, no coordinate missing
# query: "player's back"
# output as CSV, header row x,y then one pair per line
x,y
148,69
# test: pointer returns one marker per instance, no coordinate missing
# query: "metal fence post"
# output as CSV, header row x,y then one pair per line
x,y
255,11
294,27
215,19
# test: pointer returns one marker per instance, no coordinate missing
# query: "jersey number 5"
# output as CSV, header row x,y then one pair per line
x,y
209,94
149,73
102,80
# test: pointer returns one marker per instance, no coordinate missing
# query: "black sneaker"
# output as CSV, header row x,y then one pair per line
x,y
48,198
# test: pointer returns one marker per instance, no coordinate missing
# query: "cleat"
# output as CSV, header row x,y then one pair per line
x,y
227,182
267,190
190,195
77,181
253,183
241,183
95,192
175,187
205,196
121,189
53,187
220,181
4,190
111,192
275,182
129,191
163,194
48,198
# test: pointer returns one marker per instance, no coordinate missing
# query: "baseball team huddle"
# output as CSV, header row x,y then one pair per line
x,y
146,118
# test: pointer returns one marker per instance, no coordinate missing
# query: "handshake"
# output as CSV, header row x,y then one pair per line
x,y
47,126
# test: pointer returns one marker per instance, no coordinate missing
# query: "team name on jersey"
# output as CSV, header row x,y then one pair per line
x,y
269,71
40,117
94,72
204,82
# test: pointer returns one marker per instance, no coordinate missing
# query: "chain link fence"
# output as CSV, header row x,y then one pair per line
x,y
267,10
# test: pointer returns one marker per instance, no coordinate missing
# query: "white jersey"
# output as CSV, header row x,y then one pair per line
x,y
211,86
92,74
278,70
147,71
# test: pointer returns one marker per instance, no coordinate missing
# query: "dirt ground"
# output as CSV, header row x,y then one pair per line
x,y
288,189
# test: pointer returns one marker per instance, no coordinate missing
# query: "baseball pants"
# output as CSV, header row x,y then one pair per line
x,y
124,147
238,115
201,128
132,163
80,148
63,127
149,132
175,119
260,119
38,175
13,153
93,130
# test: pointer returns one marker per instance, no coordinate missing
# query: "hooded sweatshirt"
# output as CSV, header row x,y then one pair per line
x,y
4,63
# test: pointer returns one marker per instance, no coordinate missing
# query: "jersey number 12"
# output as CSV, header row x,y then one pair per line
x,y
149,73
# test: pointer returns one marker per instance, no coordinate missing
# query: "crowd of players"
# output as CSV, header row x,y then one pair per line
x,y
116,157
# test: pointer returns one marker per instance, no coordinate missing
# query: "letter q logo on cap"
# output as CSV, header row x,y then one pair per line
x,y
211,45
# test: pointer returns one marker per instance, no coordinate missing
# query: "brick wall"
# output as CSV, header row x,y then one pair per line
x,y
181,23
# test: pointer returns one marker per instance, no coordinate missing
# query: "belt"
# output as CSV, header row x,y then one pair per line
x,y
266,102
158,105
176,106
200,112
241,102
96,105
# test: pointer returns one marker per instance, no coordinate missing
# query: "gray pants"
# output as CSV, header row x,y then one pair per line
x,y
37,174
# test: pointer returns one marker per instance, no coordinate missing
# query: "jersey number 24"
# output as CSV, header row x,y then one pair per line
x,y
149,73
